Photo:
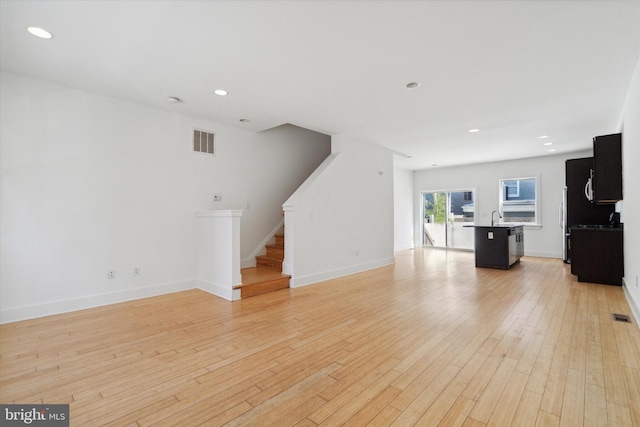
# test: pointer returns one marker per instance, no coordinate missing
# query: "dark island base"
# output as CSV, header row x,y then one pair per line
x,y
498,247
498,267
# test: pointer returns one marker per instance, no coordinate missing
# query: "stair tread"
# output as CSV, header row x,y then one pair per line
x,y
267,275
255,275
271,258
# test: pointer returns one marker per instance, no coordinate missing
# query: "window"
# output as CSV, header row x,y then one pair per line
x,y
519,200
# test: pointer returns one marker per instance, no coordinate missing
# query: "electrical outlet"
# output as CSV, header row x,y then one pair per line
x,y
217,197
136,271
111,274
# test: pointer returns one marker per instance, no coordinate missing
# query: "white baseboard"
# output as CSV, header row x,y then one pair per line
x,y
65,306
297,281
218,290
635,310
543,254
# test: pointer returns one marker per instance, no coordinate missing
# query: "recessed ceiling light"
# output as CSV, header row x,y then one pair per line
x,y
174,99
543,136
474,130
412,85
245,120
40,32
548,143
221,92
552,150
434,165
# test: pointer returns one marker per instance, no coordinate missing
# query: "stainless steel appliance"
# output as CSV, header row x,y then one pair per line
x,y
563,226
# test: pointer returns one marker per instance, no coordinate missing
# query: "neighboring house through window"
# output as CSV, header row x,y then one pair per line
x,y
519,200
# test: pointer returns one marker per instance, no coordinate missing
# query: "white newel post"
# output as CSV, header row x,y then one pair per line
x,y
219,252
289,221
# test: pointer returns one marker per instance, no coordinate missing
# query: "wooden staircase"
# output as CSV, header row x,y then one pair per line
x,y
267,275
274,257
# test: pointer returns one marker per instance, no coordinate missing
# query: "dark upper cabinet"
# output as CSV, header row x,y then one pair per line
x,y
607,163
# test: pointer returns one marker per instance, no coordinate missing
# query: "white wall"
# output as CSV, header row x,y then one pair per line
x,y
403,209
545,241
630,212
89,183
342,217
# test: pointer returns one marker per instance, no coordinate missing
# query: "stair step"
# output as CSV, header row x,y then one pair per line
x,y
269,262
267,275
258,280
275,251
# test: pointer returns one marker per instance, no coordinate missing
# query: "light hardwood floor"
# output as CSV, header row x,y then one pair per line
x,y
429,341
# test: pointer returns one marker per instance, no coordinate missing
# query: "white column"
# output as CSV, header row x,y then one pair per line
x,y
219,252
289,221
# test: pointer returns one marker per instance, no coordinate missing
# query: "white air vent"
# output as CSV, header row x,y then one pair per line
x,y
203,142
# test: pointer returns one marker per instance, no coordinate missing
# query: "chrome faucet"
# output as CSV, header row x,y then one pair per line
x,y
492,216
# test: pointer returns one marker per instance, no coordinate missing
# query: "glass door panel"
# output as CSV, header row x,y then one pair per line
x,y
445,215
435,218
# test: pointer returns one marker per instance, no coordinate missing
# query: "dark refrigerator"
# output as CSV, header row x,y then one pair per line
x,y
577,208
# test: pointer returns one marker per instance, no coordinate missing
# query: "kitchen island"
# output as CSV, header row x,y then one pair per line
x,y
498,246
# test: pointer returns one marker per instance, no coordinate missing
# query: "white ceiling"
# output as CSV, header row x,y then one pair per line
x,y
514,69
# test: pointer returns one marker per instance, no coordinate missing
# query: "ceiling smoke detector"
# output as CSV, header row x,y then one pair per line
x,y
412,85
174,99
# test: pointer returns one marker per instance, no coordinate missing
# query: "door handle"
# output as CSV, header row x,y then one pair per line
x,y
561,211
588,190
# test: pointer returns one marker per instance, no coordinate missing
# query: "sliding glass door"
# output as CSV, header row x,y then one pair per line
x,y
445,214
